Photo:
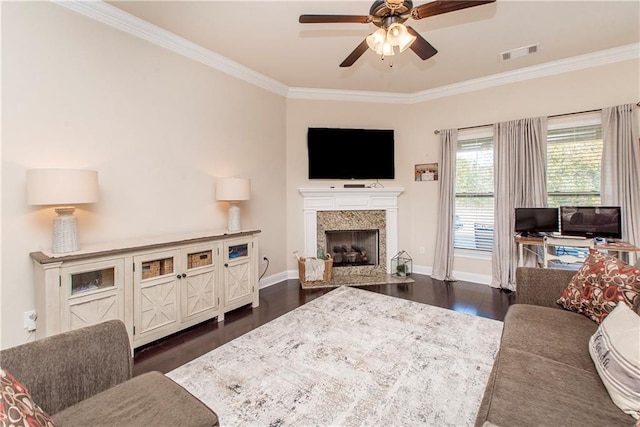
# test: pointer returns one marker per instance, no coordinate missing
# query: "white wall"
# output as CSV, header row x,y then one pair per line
x,y
156,126
416,143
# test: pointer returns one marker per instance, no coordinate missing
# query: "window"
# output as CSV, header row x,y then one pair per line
x,y
574,152
574,156
573,166
474,194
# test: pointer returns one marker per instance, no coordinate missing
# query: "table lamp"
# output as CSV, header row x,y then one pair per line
x,y
63,188
233,190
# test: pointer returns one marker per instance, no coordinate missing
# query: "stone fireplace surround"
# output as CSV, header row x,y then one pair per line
x,y
354,220
352,199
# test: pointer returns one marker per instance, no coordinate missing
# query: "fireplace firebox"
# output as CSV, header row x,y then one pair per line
x,y
353,247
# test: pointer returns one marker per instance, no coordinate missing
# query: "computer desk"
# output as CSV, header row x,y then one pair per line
x,y
609,247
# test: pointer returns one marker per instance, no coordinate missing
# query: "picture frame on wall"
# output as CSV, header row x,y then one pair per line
x,y
426,172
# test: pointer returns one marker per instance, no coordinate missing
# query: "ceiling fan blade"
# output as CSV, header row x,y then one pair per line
x,y
322,19
420,46
357,53
444,6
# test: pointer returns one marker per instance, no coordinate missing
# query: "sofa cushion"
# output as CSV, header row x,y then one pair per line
x,y
73,365
599,285
615,349
559,335
530,390
17,407
151,399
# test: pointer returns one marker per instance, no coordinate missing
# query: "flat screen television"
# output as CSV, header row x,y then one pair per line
x,y
350,153
591,221
537,220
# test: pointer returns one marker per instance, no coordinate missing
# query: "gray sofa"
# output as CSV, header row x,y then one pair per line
x,y
543,374
83,378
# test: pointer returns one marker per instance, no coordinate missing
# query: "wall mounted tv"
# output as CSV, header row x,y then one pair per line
x,y
537,220
350,153
600,221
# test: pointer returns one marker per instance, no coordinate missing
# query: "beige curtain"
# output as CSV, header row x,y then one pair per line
x,y
443,262
520,150
620,182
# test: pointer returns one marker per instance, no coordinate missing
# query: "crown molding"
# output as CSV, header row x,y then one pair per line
x,y
117,18
121,20
595,59
347,95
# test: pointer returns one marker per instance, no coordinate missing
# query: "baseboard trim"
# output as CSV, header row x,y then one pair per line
x,y
482,279
273,279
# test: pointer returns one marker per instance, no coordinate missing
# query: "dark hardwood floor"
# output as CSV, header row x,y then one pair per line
x,y
278,299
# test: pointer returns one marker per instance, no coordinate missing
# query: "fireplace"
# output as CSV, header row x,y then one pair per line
x,y
347,210
354,230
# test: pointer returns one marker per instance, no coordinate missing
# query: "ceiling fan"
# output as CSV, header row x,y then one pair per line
x,y
389,16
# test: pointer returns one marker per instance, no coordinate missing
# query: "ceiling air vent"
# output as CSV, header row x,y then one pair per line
x,y
521,51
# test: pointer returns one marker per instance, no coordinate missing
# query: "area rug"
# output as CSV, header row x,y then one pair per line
x,y
350,358
357,280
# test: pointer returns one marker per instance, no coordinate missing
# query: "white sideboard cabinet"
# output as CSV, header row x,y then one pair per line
x,y
156,287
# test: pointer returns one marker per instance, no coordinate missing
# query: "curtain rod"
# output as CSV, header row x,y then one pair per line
x,y
555,115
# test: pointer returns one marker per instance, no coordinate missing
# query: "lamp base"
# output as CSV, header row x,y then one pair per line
x,y
234,217
65,231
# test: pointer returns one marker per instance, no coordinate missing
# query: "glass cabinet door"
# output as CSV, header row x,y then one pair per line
x,y
199,285
93,293
156,295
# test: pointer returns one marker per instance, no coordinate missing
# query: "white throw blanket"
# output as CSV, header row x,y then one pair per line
x,y
313,269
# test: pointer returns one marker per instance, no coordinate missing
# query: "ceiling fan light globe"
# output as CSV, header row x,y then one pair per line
x,y
395,33
376,39
387,49
406,42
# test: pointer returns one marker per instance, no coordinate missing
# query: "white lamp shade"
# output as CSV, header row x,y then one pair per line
x,y
233,189
61,186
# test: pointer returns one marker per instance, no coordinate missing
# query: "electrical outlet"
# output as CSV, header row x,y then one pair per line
x,y
30,320
422,251
265,260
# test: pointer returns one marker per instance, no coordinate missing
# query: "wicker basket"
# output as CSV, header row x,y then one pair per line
x,y
328,268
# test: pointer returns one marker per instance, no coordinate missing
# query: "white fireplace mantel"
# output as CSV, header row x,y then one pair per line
x,y
346,199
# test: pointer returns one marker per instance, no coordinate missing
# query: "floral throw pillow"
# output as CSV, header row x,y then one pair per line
x,y
599,285
17,408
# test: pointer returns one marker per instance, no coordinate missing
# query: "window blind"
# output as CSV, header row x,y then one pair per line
x,y
473,227
573,166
